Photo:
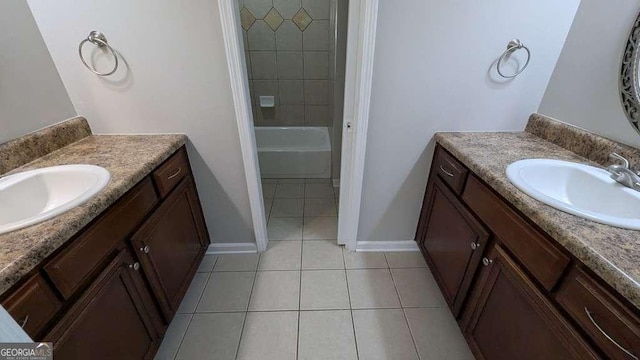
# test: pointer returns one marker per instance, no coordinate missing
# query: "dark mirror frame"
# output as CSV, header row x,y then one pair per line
x,y
629,77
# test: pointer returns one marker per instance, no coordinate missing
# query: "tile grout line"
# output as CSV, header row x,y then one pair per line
x,y
205,286
195,310
246,312
353,324
304,193
183,335
404,314
312,310
300,294
304,189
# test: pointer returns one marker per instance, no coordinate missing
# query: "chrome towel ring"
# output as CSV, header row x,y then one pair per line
x,y
97,38
512,47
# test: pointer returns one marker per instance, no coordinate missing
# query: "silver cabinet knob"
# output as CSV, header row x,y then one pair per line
x,y
486,262
474,245
135,266
145,249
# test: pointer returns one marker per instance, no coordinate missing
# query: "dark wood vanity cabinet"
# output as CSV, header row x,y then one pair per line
x,y
170,246
604,318
452,242
33,305
511,319
515,292
110,292
111,320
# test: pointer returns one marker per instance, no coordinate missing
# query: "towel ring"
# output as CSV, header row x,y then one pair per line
x,y
97,38
512,47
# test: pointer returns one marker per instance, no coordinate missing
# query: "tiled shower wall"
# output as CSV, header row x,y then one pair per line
x,y
290,55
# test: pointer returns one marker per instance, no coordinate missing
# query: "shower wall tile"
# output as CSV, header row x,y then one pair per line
x,y
316,92
317,9
292,115
316,65
316,36
316,115
246,18
273,19
288,54
265,88
247,57
261,37
289,65
263,65
302,19
245,40
287,8
265,116
288,37
259,8
252,93
291,92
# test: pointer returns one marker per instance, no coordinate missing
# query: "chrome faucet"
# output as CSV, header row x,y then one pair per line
x,y
622,174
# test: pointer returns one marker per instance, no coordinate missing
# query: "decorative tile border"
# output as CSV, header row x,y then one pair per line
x,y
17,152
302,19
586,144
274,19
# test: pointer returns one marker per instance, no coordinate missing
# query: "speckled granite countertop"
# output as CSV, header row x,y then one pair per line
x,y
129,158
610,252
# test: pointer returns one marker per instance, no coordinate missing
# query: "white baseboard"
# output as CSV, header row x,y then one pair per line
x,y
336,183
232,248
388,246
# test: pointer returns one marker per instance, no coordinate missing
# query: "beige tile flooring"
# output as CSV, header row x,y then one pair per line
x,y
307,298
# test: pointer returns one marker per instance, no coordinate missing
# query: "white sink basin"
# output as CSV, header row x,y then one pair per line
x,y
578,189
34,196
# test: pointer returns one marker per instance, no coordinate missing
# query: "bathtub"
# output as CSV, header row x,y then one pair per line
x,y
294,152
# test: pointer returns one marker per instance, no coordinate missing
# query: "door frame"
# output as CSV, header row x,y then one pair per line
x,y
362,20
361,38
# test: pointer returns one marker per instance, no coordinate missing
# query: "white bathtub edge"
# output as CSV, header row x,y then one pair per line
x,y
387,246
232,248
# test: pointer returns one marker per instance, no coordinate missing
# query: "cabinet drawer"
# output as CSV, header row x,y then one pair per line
x,y
32,305
74,265
169,174
535,252
450,170
614,328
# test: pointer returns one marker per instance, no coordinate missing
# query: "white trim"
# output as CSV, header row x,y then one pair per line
x,y
232,248
336,183
387,246
229,17
361,35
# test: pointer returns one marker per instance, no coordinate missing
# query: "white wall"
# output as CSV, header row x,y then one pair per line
x,y
431,74
583,90
175,79
31,93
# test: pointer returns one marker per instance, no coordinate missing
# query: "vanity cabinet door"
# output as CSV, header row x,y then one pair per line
x,y
171,244
111,320
452,242
511,319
